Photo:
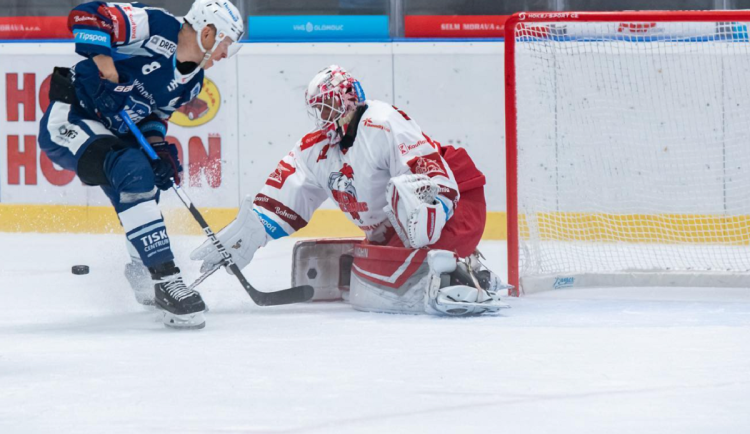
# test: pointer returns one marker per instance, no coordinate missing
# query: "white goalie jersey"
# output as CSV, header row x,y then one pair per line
x,y
388,144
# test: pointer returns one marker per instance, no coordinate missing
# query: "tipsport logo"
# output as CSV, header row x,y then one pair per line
x,y
89,37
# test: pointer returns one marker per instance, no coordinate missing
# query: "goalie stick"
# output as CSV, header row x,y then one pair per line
x,y
296,294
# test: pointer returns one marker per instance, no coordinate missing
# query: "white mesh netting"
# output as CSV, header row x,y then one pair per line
x,y
633,147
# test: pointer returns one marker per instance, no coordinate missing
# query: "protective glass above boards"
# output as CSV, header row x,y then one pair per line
x,y
47,8
475,7
387,7
626,5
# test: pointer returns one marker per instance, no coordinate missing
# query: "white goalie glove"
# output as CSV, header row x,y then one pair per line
x,y
242,238
414,210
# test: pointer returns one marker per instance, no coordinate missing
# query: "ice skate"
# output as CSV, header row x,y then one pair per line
x,y
183,308
471,289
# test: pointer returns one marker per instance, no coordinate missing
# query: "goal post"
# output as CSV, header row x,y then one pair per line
x,y
628,149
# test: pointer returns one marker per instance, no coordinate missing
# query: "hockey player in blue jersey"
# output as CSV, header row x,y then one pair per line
x,y
149,63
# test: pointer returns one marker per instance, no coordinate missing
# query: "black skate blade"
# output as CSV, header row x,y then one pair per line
x,y
297,294
192,321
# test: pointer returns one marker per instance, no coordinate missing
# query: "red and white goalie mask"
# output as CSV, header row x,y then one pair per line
x,y
331,95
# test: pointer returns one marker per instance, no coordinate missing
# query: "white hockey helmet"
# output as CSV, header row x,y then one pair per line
x,y
331,94
224,16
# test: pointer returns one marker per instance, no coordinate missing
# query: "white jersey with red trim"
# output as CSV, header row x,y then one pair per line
x,y
388,144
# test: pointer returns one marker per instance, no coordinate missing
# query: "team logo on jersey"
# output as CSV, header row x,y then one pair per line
x,y
344,193
278,177
430,165
201,109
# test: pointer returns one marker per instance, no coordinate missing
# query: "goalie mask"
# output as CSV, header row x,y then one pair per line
x,y
225,17
332,94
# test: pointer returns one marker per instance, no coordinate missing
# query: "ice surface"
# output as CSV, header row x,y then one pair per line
x,y
78,355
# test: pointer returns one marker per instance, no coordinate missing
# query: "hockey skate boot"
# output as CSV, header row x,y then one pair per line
x,y
482,275
140,281
183,308
474,287
454,290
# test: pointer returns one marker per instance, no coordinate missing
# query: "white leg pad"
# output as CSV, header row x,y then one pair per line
x,y
397,280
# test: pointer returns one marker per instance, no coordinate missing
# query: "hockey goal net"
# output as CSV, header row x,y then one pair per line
x,y
628,149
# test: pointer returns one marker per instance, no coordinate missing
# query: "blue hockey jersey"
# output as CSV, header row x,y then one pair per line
x,y
143,43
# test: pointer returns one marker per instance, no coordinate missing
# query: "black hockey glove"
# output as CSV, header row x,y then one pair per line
x,y
167,166
110,97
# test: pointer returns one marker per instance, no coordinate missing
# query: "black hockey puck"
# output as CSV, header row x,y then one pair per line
x,y
80,269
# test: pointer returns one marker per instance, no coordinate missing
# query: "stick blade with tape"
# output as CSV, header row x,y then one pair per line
x,y
296,294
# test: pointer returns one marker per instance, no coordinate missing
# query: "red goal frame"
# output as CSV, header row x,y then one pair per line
x,y
511,116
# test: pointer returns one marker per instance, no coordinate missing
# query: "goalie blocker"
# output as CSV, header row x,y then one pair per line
x,y
395,280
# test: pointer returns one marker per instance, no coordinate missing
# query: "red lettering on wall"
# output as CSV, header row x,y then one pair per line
x,y
206,162
15,96
44,94
52,174
25,159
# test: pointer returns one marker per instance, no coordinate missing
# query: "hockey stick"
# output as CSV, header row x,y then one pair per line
x,y
295,294
204,276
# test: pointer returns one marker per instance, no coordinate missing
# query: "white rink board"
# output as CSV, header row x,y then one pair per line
x,y
453,90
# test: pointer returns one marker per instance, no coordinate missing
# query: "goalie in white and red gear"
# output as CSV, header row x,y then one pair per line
x,y
400,187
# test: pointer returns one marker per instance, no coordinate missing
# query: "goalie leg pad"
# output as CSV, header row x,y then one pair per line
x,y
389,279
398,280
325,264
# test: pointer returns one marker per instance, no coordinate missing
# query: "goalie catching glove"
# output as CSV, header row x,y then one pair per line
x,y
242,238
414,210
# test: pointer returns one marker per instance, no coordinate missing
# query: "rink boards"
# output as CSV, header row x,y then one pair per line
x,y
249,115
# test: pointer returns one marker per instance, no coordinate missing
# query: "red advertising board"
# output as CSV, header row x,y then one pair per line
x,y
34,28
455,26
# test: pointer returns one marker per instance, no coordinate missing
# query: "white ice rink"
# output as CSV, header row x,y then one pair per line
x,y
78,355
